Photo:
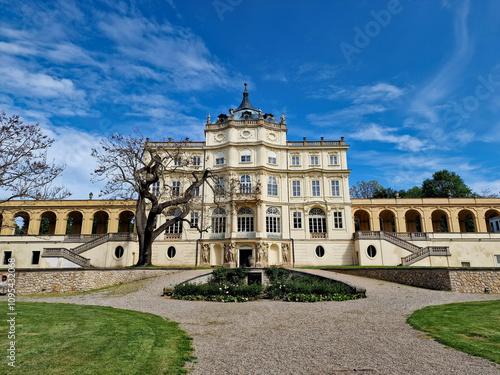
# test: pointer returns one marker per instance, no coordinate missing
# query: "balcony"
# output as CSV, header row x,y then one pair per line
x,y
217,236
319,235
277,236
245,235
173,236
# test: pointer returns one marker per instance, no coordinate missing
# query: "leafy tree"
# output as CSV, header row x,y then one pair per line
x,y
24,170
444,184
414,192
365,189
131,165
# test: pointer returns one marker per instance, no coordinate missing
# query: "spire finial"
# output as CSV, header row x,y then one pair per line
x,y
246,84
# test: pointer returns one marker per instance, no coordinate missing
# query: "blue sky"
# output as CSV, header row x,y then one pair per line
x,y
413,86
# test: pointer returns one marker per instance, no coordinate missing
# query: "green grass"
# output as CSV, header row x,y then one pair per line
x,y
472,327
55,338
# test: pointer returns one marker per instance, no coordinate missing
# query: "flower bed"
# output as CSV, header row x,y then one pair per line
x,y
228,285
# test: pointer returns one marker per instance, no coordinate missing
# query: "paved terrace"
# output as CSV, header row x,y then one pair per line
x,y
366,336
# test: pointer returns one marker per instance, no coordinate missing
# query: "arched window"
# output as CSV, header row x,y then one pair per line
x,y
246,156
176,227
219,158
219,220
272,186
273,220
271,157
245,184
317,223
245,220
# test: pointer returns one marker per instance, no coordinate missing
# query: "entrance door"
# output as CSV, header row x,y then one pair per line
x,y
245,254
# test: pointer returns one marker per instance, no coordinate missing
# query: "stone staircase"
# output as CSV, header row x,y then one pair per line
x,y
73,254
417,252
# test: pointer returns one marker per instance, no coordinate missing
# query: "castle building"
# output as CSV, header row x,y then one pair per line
x,y
273,202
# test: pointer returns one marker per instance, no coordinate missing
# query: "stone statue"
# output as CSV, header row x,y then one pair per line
x,y
260,254
208,119
285,252
231,113
205,253
229,251
261,114
283,118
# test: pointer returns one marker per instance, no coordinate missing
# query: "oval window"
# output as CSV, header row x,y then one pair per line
x,y
320,252
371,251
119,252
171,252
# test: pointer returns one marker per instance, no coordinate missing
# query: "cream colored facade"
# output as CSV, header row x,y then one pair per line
x,y
275,202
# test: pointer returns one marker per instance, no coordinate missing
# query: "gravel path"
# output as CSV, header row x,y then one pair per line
x,y
366,336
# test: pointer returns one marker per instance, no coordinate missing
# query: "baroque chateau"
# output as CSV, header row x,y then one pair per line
x,y
272,202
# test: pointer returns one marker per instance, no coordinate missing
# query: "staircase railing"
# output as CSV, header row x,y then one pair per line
x,y
62,252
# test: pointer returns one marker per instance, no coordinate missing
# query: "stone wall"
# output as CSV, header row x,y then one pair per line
x,y
70,281
452,279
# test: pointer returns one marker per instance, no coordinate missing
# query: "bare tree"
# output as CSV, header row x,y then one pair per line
x,y
137,169
24,169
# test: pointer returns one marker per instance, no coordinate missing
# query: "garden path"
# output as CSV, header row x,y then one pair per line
x,y
272,337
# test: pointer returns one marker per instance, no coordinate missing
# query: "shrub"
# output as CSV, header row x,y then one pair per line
x,y
277,274
229,275
222,292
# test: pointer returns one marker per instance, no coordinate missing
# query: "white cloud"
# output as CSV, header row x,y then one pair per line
x,y
375,132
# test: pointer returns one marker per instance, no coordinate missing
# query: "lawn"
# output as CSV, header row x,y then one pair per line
x,y
472,327
71,339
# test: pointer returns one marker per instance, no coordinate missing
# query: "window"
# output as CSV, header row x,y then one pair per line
x,y
219,158
336,188
155,188
35,257
334,159
176,188
6,256
337,220
177,160
314,160
197,160
273,216
219,186
246,156
271,157
295,160
194,219
371,251
176,227
119,252
219,220
171,252
245,184
497,259
197,192
316,191
245,220
465,264
317,221
272,186
297,220
320,251
296,188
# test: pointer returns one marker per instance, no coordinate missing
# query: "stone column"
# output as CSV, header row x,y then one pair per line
x,y
114,220
454,223
7,223
61,223
88,219
400,221
481,221
426,221
34,224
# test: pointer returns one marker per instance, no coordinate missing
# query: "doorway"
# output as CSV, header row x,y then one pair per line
x,y
245,254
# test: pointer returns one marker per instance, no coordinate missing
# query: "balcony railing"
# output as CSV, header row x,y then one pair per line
x,y
173,236
277,236
217,236
319,235
245,235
